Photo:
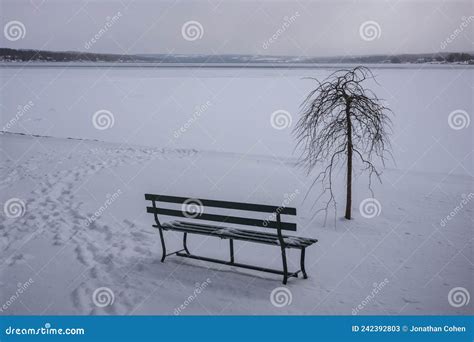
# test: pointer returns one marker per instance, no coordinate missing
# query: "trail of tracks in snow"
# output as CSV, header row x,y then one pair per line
x,y
105,250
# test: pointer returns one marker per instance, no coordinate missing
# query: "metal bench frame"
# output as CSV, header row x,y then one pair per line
x,y
278,225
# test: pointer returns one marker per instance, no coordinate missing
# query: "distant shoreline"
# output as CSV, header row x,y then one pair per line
x,y
84,59
231,65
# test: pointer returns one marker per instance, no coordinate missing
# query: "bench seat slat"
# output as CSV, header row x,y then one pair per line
x,y
302,240
225,204
232,232
238,234
263,241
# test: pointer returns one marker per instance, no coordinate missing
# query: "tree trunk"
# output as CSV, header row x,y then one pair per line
x,y
349,164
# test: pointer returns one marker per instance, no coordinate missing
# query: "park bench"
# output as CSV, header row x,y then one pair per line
x,y
193,210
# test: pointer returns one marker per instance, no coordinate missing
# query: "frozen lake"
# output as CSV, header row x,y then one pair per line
x,y
229,109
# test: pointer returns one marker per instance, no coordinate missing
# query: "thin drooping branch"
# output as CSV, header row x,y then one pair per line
x,y
340,119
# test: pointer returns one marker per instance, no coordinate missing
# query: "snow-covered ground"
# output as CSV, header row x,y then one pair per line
x,y
59,252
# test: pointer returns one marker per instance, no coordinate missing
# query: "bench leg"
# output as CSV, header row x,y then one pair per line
x,y
163,247
185,246
231,246
285,267
303,251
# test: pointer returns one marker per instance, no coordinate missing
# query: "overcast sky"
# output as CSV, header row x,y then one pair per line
x,y
301,28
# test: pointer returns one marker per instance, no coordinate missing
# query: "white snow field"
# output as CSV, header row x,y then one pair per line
x,y
82,243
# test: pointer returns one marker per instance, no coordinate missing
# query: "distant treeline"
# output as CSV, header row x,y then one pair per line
x,y
449,58
14,55
63,56
459,57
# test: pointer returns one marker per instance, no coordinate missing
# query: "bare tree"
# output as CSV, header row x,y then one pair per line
x,y
342,119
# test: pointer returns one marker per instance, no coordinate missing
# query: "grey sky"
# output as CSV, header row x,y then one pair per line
x,y
315,28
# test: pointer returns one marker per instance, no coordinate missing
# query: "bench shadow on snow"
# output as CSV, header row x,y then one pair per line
x,y
224,279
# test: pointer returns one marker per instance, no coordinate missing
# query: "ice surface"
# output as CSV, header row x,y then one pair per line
x,y
151,105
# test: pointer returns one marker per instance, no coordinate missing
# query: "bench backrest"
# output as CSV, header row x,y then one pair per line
x,y
194,208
